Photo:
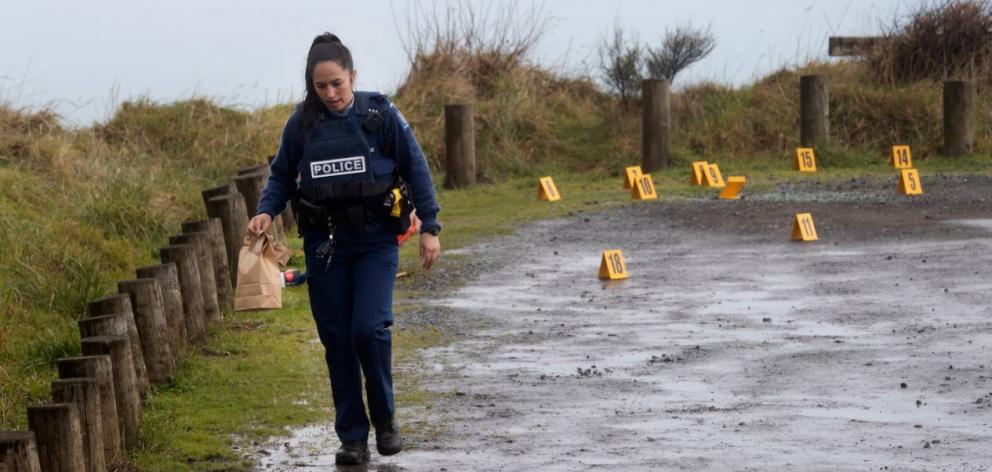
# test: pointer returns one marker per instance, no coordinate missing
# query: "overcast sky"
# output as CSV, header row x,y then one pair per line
x,y
85,57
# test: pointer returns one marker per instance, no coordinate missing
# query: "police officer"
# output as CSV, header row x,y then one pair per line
x,y
350,163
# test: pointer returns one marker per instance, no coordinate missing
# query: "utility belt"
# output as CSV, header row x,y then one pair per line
x,y
354,204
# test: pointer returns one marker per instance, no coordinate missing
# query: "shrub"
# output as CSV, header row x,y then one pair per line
x,y
681,48
940,40
620,64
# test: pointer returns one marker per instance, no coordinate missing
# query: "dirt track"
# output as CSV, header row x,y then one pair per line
x,y
730,347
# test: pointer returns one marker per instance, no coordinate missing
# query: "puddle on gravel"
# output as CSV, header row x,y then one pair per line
x,y
975,223
785,357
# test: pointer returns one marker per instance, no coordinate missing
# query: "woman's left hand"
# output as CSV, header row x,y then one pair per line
x,y
430,249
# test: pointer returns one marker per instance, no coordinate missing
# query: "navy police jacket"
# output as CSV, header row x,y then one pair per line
x,y
391,147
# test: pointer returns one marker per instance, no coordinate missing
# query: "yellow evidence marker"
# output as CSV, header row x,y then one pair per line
x,y
733,188
909,182
643,188
546,190
713,176
612,266
902,157
698,173
805,160
630,175
803,229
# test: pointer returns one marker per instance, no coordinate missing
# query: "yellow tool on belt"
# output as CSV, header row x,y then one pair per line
x,y
397,208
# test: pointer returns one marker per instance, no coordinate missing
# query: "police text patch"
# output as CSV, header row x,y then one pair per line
x,y
333,167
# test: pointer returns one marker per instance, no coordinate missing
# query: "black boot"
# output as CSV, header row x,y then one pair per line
x,y
352,453
387,438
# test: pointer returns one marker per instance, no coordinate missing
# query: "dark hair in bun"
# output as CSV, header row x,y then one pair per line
x,y
325,47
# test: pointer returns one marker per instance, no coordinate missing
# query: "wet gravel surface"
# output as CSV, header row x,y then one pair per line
x,y
729,348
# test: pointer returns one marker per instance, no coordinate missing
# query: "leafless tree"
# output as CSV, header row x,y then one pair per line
x,y
466,27
620,63
679,49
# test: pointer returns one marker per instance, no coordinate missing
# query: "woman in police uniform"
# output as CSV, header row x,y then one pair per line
x,y
349,161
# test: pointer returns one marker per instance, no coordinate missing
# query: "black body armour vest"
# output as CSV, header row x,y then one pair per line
x,y
337,182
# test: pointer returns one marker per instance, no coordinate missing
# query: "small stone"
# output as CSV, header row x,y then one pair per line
x,y
903,385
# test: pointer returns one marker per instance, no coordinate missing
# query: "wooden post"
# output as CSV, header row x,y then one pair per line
x,y
19,452
59,433
258,169
959,96
125,386
168,279
85,394
814,111
149,314
234,221
220,190
656,124
459,146
188,269
205,260
106,325
251,186
101,369
121,304
222,275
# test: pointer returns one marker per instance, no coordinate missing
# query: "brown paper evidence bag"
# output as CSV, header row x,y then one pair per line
x,y
259,264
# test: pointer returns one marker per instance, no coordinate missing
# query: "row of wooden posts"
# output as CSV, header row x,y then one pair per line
x,y
656,111
133,339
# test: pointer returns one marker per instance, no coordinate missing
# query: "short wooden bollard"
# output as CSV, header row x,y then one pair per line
x,y
234,220
656,125
250,186
208,284
125,387
814,111
101,369
149,314
85,394
188,269
59,434
222,275
959,96
459,146
263,169
226,189
168,280
19,452
121,304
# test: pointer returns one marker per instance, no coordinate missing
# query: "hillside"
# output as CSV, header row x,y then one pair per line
x,y
80,209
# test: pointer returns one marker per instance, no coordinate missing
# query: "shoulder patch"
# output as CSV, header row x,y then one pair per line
x,y
399,116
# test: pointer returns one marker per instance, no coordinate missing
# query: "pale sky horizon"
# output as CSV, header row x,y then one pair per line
x,y
84,58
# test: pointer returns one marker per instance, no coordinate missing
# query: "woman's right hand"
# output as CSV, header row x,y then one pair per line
x,y
259,224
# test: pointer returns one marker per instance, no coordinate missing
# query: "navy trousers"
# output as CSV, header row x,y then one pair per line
x,y
352,301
